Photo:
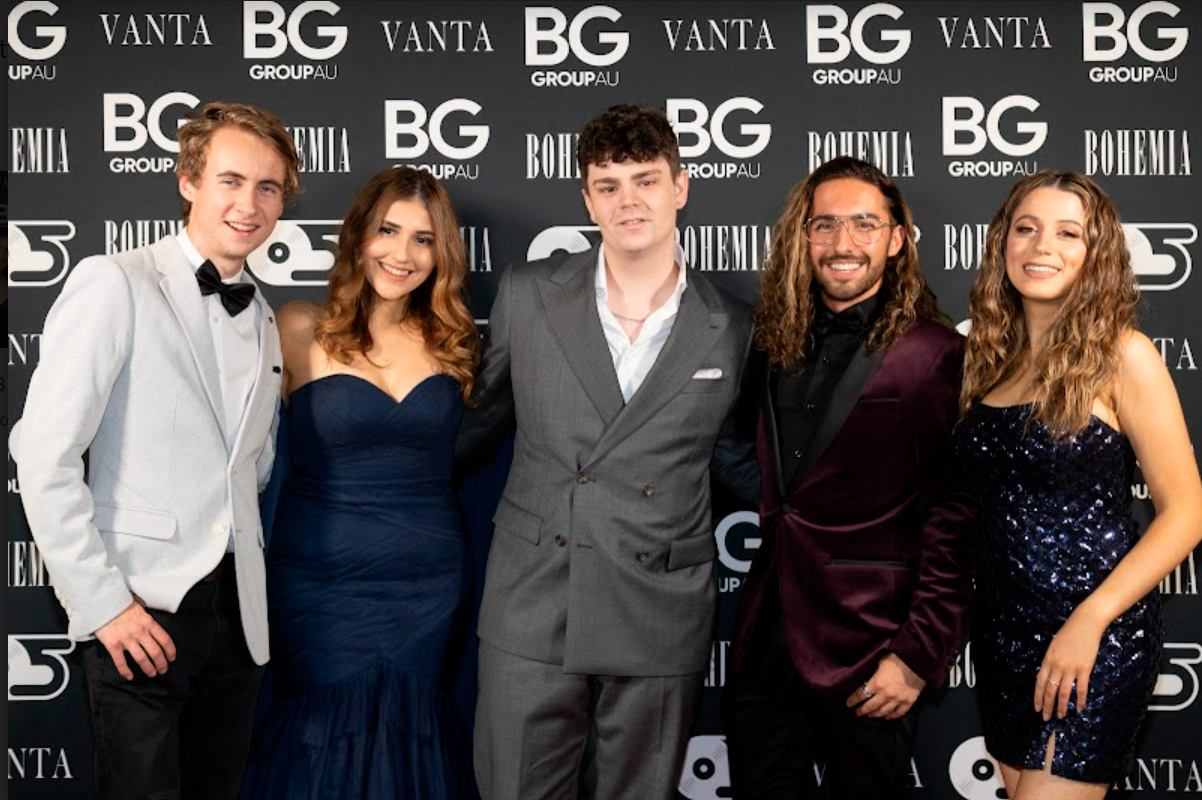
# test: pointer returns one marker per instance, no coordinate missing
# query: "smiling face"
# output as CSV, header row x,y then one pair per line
x,y
634,203
399,256
237,198
846,271
1045,245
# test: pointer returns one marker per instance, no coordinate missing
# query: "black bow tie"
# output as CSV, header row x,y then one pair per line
x,y
827,321
234,296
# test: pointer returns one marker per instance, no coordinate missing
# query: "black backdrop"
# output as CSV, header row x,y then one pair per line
x,y
954,100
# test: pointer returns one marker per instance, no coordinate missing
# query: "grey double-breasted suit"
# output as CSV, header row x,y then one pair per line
x,y
602,559
604,548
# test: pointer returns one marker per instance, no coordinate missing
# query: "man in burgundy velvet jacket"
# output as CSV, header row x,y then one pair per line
x,y
856,599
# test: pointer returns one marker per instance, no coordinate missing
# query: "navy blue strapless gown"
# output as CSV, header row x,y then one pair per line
x,y
1056,522
366,579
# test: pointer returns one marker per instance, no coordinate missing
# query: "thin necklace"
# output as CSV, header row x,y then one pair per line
x,y
628,319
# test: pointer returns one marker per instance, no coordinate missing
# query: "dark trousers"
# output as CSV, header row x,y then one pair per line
x,y
185,733
776,725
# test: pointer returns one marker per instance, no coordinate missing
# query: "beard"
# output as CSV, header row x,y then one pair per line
x,y
844,290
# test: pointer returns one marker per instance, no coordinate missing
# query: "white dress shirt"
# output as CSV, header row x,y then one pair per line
x,y
634,359
236,343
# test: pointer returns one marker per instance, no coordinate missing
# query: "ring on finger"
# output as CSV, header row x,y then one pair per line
x,y
864,690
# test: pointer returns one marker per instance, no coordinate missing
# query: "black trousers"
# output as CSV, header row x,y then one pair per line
x,y
185,733
776,726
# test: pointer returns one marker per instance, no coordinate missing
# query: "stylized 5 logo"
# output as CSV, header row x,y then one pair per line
x,y
1177,684
36,667
48,263
1155,269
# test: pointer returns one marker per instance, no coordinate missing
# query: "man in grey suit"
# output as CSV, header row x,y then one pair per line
x,y
163,364
619,366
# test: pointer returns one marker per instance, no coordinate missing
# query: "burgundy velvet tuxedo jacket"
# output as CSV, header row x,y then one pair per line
x,y
872,550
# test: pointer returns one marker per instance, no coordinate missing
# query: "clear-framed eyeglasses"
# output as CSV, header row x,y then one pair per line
x,y
863,229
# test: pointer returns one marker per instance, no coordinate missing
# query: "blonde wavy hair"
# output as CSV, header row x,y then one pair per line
x,y
785,310
1081,351
438,306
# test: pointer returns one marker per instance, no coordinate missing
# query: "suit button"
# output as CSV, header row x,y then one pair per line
x,y
786,508
561,540
582,477
218,527
643,557
649,490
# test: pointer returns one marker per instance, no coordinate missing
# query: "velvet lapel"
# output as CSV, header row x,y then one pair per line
x,y
769,411
843,399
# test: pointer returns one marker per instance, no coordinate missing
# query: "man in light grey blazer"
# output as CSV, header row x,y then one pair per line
x,y
163,365
620,367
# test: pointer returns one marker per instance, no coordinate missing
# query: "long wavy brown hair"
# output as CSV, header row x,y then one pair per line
x,y
438,306
1080,353
788,288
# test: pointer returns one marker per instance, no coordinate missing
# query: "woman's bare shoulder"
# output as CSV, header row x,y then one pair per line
x,y
299,319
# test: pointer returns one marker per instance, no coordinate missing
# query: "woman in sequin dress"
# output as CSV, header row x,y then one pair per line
x,y
1061,394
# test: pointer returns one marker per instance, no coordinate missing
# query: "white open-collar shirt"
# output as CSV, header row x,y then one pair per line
x,y
634,359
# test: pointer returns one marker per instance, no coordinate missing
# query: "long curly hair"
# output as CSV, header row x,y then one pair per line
x,y
438,305
788,288
1080,353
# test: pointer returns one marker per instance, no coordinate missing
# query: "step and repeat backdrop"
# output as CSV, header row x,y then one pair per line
x,y
953,100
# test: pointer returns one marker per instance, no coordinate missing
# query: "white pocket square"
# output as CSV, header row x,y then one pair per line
x,y
710,374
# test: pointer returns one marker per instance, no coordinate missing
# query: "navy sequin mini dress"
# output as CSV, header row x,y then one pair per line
x,y
1056,522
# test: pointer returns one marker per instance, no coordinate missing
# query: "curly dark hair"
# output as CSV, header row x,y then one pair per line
x,y
787,289
627,132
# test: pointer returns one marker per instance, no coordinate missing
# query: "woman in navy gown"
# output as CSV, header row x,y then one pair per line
x,y
366,568
1061,394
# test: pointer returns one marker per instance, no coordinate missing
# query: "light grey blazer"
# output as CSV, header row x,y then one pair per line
x,y
603,553
128,373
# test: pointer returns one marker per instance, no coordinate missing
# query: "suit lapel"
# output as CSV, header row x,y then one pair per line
x,y
769,407
843,399
694,333
570,299
179,286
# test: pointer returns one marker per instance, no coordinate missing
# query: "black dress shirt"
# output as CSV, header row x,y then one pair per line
x,y
800,400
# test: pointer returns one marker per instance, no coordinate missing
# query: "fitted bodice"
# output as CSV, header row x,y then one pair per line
x,y
1046,503
350,437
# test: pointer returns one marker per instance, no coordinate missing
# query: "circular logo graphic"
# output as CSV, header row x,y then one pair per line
x,y
974,773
